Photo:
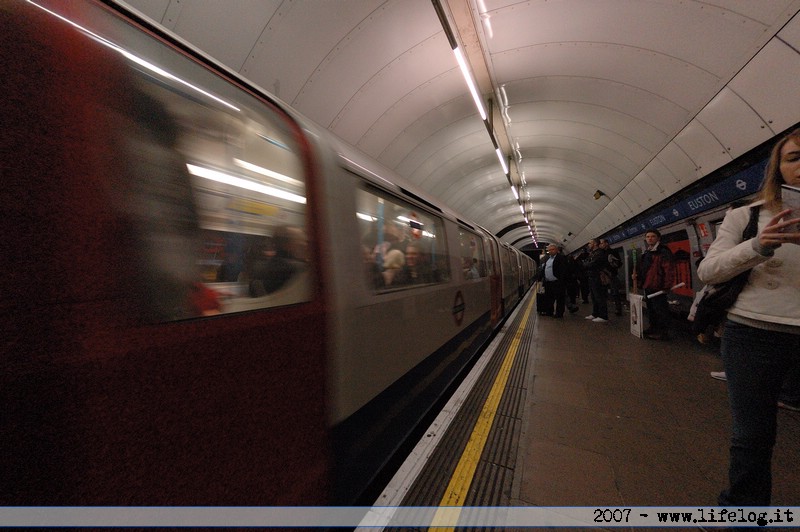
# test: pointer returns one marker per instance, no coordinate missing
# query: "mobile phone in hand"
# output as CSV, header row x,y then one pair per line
x,y
791,200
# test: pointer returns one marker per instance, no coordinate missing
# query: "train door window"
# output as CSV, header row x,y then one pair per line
x,y
473,263
508,265
215,190
403,245
492,258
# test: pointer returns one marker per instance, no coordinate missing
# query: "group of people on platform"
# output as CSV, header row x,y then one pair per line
x,y
760,339
595,273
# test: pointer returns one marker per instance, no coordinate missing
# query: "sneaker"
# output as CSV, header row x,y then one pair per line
x,y
719,375
789,406
599,320
589,317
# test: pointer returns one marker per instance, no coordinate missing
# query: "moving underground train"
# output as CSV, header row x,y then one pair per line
x,y
206,299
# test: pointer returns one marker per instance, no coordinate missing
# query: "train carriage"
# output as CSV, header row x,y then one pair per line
x,y
200,309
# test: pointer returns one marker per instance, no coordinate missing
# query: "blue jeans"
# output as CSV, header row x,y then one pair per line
x,y
756,362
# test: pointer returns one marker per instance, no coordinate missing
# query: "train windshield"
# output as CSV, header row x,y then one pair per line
x,y
216,194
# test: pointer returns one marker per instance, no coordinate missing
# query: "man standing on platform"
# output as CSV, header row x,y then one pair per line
x,y
556,271
599,281
614,263
657,270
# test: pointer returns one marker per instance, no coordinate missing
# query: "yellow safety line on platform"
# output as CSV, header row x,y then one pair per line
x,y
457,489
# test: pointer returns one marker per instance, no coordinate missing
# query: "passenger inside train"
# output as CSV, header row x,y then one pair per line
x,y
280,259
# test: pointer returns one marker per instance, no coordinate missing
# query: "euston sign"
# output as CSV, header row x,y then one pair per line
x,y
734,187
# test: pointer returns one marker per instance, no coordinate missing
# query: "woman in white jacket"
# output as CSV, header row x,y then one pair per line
x,y
761,342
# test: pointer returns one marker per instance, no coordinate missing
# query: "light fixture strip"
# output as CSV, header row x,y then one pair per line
x,y
502,160
234,181
465,71
471,84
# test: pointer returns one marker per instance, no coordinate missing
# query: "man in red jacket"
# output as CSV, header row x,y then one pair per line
x,y
658,271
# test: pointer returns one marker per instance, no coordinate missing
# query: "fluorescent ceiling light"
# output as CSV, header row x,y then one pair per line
x,y
502,160
239,182
514,190
415,224
468,78
267,172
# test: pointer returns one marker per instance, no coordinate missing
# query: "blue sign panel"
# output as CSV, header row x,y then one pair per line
x,y
737,186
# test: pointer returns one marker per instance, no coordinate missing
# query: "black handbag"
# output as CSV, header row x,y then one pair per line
x,y
714,305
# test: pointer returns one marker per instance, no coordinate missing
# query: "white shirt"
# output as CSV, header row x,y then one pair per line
x,y
548,269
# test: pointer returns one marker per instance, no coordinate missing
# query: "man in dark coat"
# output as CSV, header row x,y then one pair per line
x,y
556,275
599,281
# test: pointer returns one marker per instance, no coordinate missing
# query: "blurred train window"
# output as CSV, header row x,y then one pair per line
x,y
219,196
402,245
473,263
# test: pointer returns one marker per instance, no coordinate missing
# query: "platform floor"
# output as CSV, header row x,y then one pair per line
x,y
613,419
593,416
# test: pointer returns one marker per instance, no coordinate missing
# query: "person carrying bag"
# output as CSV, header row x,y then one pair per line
x,y
657,270
717,299
761,341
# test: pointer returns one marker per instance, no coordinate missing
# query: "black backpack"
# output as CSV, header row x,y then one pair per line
x,y
713,307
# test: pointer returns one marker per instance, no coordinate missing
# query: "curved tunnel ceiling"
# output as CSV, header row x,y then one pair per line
x,y
637,98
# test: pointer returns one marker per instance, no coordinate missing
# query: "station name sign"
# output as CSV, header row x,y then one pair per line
x,y
736,186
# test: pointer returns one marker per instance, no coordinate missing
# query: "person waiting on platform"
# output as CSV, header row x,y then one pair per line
x,y
657,269
614,263
573,288
761,343
556,271
582,277
599,281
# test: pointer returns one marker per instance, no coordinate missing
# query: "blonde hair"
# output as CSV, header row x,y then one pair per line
x,y
773,179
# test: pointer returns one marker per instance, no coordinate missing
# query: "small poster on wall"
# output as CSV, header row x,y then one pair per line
x,y
637,325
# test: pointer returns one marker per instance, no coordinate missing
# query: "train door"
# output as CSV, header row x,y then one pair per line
x,y
510,278
495,279
678,243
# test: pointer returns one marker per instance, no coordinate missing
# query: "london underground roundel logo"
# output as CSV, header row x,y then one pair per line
x,y
458,308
